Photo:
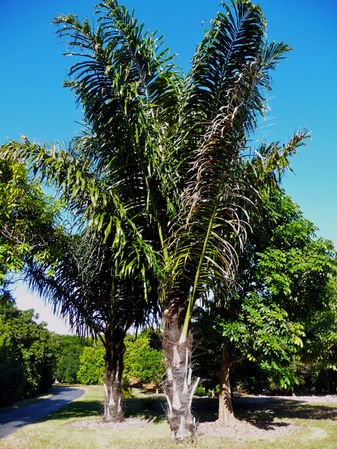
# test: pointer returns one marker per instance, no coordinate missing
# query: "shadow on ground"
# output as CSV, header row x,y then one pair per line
x,y
151,408
262,412
79,409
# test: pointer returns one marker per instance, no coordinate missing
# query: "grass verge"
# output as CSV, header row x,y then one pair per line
x,y
262,424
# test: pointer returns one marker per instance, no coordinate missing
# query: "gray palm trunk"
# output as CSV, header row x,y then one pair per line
x,y
179,387
113,382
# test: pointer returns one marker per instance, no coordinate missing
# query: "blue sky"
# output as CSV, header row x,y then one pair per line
x,y
34,103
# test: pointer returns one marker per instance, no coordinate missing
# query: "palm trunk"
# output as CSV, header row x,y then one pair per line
x,y
226,413
179,388
113,408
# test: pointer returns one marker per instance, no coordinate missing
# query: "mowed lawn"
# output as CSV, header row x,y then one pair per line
x,y
262,424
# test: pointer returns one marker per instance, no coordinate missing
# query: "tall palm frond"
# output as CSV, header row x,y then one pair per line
x,y
224,97
125,82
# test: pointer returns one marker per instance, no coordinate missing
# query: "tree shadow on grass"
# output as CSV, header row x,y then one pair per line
x,y
79,409
205,409
151,408
268,409
264,413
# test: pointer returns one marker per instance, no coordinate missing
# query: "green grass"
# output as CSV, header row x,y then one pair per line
x,y
316,426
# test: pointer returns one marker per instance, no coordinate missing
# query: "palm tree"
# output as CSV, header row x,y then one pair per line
x,y
222,99
84,288
108,179
159,172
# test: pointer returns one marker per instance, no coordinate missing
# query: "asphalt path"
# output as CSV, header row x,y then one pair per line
x,y
11,420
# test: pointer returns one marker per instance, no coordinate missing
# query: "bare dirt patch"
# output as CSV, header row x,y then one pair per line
x,y
314,399
240,429
100,424
261,417
269,417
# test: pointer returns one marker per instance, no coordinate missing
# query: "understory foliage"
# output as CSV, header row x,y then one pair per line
x,y
92,364
83,361
68,359
28,353
144,361
29,235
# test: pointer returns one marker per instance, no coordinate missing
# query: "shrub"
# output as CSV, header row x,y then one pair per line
x,y
27,354
141,361
68,361
91,370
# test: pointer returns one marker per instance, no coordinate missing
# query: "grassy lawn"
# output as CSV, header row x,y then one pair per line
x,y
273,424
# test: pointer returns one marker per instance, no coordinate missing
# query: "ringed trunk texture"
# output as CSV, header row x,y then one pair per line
x,y
113,386
178,387
226,413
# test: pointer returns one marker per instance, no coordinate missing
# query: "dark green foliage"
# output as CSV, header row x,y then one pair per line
x,y
27,354
143,361
297,271
28,230
68,360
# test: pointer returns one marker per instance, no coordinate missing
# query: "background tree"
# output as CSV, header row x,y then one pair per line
x,y
27,353
29,229
144,362
284,282
68,360
92,365
30,234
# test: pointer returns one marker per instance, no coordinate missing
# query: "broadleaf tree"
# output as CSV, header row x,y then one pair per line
x,y
29,222
28,353
284,288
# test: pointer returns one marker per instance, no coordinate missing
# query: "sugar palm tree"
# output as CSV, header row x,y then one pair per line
x,y
159,173
222,99
83,287
108,178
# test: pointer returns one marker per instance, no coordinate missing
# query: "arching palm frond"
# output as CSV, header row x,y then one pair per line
x,y
225,94
228,48
98,204
125,82
83,288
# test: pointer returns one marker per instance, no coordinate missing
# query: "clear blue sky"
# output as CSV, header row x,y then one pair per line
x,y
34,103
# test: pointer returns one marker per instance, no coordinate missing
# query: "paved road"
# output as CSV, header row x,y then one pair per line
x,y
11,420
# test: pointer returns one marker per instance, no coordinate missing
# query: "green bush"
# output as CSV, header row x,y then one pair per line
x,y
141,361
68,361
27,354
91,370
200,391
